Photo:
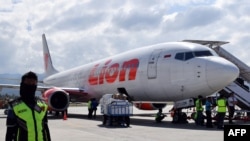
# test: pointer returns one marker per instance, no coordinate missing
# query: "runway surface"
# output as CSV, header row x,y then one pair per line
x,y
77,127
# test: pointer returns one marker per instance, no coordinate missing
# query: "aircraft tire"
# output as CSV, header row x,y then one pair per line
x,y
175,118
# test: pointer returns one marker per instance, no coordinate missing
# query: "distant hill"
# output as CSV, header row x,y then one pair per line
x,y
9,79
12,79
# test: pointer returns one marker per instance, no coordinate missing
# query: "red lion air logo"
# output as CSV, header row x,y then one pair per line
x,y
111,72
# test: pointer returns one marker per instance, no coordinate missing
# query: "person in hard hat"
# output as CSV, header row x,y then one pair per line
x,y
221,111
27,117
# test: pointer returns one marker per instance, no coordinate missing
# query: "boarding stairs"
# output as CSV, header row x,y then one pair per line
x,y
241,93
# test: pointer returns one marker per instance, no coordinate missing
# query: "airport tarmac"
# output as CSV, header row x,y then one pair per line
x,y
77,127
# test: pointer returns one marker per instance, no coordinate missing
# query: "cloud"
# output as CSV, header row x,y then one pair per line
x,y
194,18
137,19
79,32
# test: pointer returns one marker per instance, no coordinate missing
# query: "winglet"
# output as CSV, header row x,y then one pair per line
x,y
210,44
48,66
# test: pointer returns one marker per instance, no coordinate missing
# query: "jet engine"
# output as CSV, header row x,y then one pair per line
x,y
150,106
57,99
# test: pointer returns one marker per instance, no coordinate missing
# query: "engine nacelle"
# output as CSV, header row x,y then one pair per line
x,y
57,99
150,106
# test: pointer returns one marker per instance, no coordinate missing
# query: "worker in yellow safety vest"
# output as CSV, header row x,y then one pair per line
x,y
159,116
221,111
27,116
199,119
90,109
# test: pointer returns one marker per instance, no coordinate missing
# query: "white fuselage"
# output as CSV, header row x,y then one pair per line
x,y
155,73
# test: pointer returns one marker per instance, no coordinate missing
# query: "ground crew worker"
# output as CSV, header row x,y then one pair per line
x,y
94,104
199,111
27,117
208,107
231,102
221,111
159,116
90,108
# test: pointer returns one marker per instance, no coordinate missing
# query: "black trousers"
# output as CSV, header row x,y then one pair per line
x,y
209,119
90,114
231,111
220,119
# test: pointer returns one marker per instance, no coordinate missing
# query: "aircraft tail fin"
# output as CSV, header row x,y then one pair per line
x,y
48,66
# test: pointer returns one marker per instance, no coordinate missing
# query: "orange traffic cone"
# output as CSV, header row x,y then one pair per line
x,y
64,115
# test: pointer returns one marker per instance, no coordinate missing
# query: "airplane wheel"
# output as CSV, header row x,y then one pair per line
x,y
175,118
6,111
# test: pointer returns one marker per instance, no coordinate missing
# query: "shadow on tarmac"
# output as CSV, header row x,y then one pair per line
x,y
139,121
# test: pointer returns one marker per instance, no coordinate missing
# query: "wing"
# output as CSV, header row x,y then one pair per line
x,y
58,98
77,91
12,86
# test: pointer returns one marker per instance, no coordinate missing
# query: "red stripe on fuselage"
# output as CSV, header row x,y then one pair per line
x,y
46,59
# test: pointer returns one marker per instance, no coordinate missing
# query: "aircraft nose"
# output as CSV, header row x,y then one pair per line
x,y
220,73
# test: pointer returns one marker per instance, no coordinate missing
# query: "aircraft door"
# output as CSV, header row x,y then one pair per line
x,y
152,64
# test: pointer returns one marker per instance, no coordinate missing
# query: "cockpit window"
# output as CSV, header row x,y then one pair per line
x,y
179,56
189,55
202,53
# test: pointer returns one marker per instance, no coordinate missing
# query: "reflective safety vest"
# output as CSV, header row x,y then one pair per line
x,y
198,105
222,107
89,104
31,120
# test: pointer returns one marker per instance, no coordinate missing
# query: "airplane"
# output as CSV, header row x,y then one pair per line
x,y
150,76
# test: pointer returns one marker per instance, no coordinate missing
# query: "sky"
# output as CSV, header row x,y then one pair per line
x,y
82,31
